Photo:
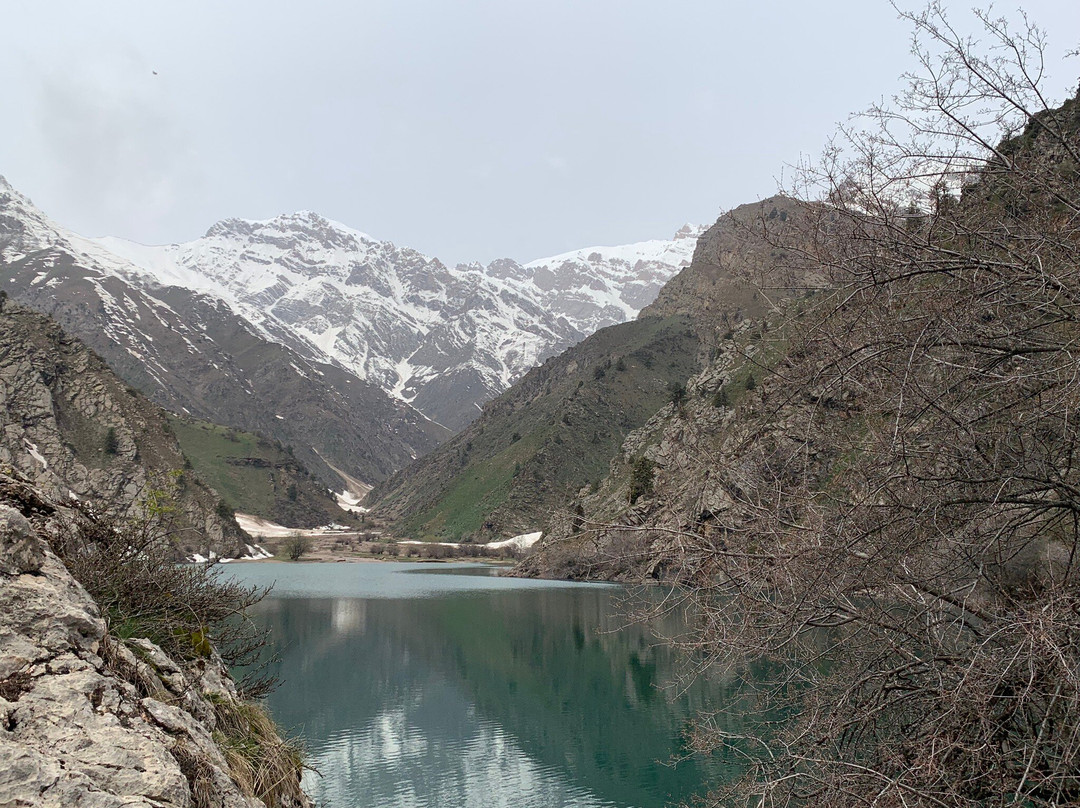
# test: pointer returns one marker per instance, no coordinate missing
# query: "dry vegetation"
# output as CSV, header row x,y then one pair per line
x,y
122,558
902,547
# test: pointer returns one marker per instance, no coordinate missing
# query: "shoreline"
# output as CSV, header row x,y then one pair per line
x,y
331,558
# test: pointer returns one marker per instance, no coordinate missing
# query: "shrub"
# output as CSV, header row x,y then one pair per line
x,y
296,545
124,559
641,478
677,394
111,444
263,764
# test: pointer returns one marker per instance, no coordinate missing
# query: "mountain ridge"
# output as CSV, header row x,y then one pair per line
x,y
444,339
193,355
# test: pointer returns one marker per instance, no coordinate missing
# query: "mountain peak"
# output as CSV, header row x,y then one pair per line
x,y
302,218
230,227
688,230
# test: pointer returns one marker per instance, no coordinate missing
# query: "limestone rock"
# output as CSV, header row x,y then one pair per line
x,y
19,550
76,728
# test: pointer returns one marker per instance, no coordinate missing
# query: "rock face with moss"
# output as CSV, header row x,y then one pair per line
x,y
88,720
77,431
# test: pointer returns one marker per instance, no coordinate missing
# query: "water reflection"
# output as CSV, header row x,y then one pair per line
x,y
516,696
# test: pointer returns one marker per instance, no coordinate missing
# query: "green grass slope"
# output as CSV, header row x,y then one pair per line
x,y
256,475
544,439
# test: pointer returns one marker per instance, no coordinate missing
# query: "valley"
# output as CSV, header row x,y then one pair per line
x,y
781,510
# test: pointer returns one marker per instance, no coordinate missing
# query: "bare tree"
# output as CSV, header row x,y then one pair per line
x,y
297,545
902,548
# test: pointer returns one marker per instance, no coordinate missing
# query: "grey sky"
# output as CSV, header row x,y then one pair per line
x,y
469,129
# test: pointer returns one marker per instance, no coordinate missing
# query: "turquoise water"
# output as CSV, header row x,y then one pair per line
x,y
443,685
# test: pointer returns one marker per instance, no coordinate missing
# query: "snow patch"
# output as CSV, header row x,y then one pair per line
x,y
32,449
258,527
348,501
255,552
522,542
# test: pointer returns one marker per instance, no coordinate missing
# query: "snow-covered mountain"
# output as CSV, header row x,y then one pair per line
x,y
444,339
192,353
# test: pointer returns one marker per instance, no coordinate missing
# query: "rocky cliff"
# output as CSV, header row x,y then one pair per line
x,y
79,433
739,270
91,721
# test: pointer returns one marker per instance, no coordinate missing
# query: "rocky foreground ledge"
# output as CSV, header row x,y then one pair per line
x,y
89,721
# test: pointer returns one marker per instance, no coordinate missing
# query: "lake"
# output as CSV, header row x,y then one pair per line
x,y
418,685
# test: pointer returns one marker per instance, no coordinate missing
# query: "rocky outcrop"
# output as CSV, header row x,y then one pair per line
x,y
740,271
78,432
747,279
85,719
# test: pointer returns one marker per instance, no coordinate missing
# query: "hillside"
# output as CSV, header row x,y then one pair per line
x,y
255,475
550,434
665,480
79,433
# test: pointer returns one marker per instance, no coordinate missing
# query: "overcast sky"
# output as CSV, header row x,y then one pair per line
x,y
468,129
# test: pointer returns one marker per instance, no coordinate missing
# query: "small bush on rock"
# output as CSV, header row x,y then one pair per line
x,y
124,559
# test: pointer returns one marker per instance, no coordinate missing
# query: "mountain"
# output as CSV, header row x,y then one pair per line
x,y
193,354
79,433
749,280
444,339
534,446
558,428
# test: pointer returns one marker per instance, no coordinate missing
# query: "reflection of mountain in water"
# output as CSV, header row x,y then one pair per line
x,y
520,697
